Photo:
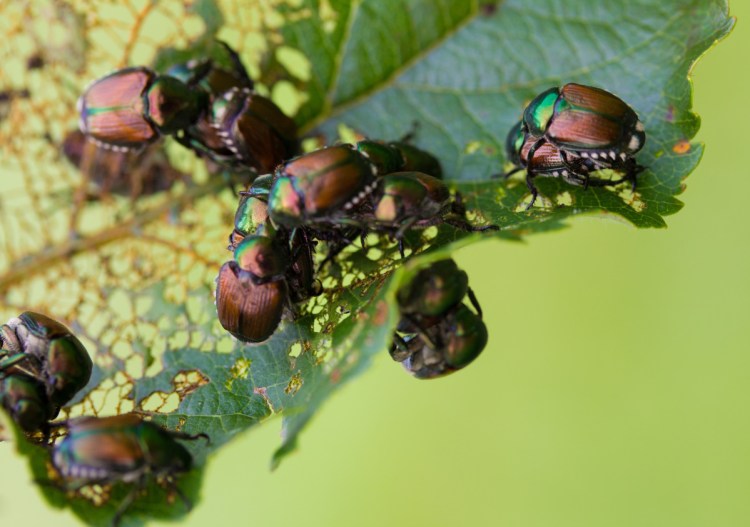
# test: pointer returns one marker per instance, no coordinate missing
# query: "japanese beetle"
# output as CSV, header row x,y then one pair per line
x,y
320,187
22,394
587,121
434,290
25,399
252,212
399,156
262,259
546,159
301,272
134,106
131,173
122,448
466,337
451,343
251,290
406,200
254,129
213,76
204,137
60,362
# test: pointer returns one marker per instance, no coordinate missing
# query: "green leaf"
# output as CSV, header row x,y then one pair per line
x,y
135,276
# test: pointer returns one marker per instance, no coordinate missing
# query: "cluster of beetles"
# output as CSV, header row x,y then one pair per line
x,y
292,203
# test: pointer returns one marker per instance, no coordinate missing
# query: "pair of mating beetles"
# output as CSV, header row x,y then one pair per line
x,y
42,367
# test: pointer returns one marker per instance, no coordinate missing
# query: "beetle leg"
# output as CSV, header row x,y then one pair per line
x,y
188,504
296,251
507,174
329,258
577,167
182,139
334,248
400,351
461,223
632,171
539,142
579,172
401,232
46,430
532,188
200,73
9,340
474,301
59,424
457,217
127,501
51,484
597,182
429,342
11,360
457,205
239,68
629,177
290,305
31,369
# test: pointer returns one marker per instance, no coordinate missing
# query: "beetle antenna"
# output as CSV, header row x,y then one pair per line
x,y
409,136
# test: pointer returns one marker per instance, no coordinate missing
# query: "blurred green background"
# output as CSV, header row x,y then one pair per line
x,y
614,391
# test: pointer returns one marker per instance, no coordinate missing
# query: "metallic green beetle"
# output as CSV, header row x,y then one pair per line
x,y
252,290
122,448
434,290
216,79
320,188
587,121
60,361
25,399
251,216
132,107
257,132
450,344
399,156
412,200
240,130
130,173
545,159
437,334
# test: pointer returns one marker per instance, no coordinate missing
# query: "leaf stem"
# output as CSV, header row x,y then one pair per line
x,y
42,260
